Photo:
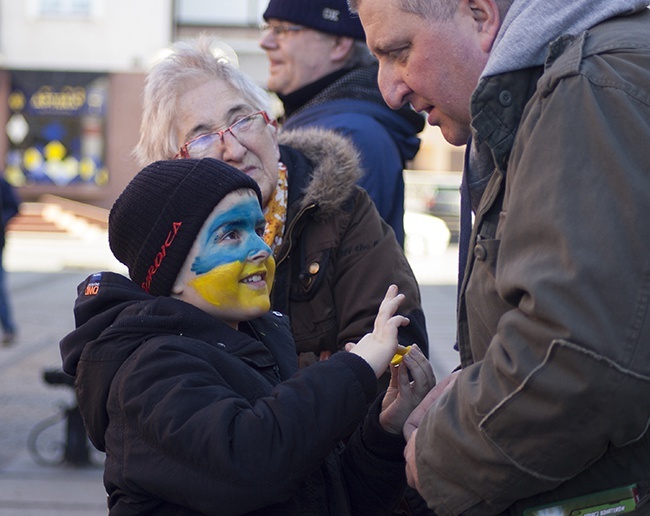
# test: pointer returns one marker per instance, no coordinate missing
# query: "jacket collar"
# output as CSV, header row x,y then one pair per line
x,y
323,169
497,107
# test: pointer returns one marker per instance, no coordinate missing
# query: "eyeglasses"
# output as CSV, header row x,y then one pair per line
x,y
280,30
210,145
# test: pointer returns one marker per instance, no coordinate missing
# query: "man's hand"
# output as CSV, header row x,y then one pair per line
x,y
413,421
412,424
404,393
411,467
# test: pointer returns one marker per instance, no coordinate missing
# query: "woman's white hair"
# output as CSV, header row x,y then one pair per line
x,y
190,63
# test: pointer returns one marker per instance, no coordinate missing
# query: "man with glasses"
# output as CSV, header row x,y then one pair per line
x,y
320,68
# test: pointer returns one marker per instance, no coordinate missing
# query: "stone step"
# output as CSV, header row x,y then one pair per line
x,y
57,234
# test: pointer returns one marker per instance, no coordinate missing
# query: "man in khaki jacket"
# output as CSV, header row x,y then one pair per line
x,y
551,403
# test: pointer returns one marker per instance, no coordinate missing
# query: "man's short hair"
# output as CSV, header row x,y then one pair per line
x,y
438,10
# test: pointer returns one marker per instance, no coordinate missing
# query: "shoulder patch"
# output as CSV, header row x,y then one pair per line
x,y
92,287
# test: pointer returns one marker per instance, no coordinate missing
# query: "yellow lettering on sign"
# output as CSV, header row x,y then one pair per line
x,y
68,99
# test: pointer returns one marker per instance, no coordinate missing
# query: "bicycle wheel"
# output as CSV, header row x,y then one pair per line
x,y
46,441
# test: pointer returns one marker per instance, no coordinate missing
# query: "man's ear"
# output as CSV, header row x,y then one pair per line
x,y
487,18
341,48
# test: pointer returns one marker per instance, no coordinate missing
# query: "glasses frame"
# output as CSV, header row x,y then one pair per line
x,y
280,29
184,153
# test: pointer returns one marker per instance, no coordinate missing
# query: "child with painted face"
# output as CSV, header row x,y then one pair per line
x,y
190,385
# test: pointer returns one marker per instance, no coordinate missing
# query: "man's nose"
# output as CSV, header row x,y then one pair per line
x,y
392,88
268,40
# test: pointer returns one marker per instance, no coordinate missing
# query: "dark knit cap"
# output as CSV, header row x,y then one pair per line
x,y
331,16
154,222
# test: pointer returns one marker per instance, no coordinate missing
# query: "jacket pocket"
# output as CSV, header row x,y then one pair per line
x,y
568,411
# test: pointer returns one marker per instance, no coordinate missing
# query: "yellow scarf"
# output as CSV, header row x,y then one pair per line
x,y
275,212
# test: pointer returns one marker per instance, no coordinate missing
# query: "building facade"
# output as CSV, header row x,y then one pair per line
x,y
71,79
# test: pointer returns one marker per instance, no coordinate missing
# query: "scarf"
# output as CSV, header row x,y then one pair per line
x,y
275,212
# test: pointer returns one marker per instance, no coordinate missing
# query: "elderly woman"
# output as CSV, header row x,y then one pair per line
x,y
335,256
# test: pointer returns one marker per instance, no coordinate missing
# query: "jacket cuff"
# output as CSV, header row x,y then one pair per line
x,y
361,370
383,444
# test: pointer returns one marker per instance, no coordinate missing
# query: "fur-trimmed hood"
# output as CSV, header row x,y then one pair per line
x,y
336,165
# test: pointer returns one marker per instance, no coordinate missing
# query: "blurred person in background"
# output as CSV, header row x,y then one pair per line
x,y
322,71
9,207
335,256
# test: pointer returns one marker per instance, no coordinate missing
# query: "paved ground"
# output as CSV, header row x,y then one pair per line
x,y
42,278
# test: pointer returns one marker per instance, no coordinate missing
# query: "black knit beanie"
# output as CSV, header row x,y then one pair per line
x,y
154,222
331,16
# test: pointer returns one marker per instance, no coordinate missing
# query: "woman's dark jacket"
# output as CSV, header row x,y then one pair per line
x,y
198,418
338,256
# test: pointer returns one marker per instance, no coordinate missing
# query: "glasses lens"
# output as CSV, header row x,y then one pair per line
x,y
246,125
211,145
279,30
203,147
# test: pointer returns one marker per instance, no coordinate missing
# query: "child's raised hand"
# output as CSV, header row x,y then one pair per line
x,y
377,348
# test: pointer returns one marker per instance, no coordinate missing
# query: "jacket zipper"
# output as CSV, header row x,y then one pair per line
x,y
289,240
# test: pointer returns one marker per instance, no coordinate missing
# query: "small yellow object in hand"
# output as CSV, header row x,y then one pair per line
x,y
401,351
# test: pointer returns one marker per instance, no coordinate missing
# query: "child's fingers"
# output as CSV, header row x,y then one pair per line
x,y
391,302
390,328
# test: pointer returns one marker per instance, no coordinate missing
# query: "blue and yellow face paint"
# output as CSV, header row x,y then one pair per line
x,y
234,267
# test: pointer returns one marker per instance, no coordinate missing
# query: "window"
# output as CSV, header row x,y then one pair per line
x,y
244,13
64,8
56,128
